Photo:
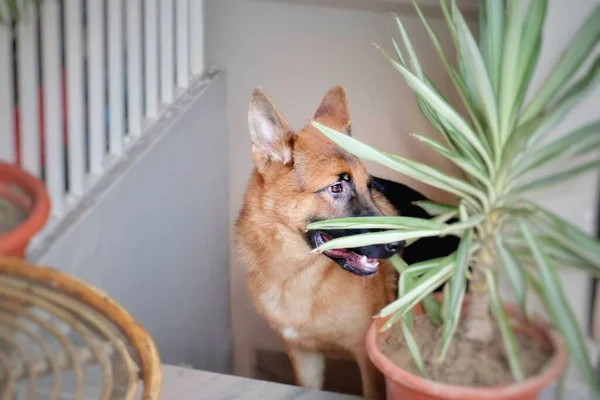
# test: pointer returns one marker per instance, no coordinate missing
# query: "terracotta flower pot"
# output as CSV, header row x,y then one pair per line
x,y
401,384
28,193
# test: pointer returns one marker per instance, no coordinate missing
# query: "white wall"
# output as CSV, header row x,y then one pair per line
x,y
154,233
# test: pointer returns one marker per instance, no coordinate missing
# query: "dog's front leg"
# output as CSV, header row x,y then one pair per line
x,y
309,367
373,384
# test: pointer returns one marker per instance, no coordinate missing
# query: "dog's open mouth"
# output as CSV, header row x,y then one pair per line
x,y
355,263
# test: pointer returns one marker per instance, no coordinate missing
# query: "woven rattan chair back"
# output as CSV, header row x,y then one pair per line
x,y
63,339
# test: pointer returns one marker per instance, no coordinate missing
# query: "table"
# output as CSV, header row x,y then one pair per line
x,y
189,384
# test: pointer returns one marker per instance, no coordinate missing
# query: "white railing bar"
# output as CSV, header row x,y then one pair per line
x,y
28,81
73,17
196,23
167,76
181,23
151,57
7,109
133,17
95,83
52,101
116,84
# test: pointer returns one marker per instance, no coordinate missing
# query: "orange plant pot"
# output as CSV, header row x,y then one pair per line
x,y
401,384
28,193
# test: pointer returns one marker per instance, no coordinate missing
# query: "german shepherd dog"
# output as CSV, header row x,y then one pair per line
x,y
300,177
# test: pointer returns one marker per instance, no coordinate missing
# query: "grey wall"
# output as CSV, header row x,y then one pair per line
x,y
156,238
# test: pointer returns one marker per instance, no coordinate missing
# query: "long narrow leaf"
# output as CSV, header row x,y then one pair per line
x,y
463,164
376,222
367,239
576,53
475,69
559,177
411,343
571,236
458,284
579,142
494,33
424,286
421,172
561,254
509,88
559,309
514,273
508,336
456,78
433,208
444,110
414,61
531,42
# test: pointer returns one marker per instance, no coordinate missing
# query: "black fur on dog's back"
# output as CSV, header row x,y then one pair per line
x,y
402,198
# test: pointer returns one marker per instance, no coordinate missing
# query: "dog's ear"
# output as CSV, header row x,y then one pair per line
x,y
334,108
270,133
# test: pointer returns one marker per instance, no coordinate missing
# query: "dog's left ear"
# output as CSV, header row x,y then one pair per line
x,y
334,109
270,133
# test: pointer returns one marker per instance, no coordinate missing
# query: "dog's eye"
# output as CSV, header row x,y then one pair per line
x,y
336,188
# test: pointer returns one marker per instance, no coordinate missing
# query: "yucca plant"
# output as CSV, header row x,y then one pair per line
x,y
499,146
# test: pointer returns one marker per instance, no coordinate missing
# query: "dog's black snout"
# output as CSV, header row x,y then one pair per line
x,y
395,246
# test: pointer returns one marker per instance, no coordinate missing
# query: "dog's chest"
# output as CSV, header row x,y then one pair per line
x,y
300,313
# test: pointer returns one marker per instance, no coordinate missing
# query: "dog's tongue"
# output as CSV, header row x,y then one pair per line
x,y
357,261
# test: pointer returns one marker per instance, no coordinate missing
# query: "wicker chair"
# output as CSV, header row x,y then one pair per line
x,y
61,338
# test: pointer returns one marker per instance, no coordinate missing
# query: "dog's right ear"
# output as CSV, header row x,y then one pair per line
x,y
270,133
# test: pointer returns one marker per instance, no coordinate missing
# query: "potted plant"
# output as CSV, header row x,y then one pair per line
x,y
24,209
499,146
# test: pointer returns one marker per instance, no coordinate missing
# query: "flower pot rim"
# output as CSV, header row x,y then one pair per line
x,y
14,241
533,384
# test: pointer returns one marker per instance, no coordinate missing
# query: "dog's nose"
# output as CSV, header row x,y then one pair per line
x,y
395,246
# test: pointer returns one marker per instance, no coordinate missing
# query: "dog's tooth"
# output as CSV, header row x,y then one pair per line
x,y
364,260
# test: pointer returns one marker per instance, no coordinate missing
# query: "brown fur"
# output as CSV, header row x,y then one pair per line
x,y
308,299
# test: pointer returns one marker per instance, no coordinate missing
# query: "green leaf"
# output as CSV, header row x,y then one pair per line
x,y
559,177
434,278
562,255
432,309
494,34
432,208
414,61
579,142
509,88
414,349
531,42
514,273
559,309
458,285
421,172
367,239
578,50
398,51
376,223
443,110
508,337
398,263
570,236
459,161
456,78
407,281
475,69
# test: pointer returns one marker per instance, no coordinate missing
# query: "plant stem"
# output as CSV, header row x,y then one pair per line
x,y
478,321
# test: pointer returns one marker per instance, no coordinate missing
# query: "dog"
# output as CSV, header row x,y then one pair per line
x,y
318,303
